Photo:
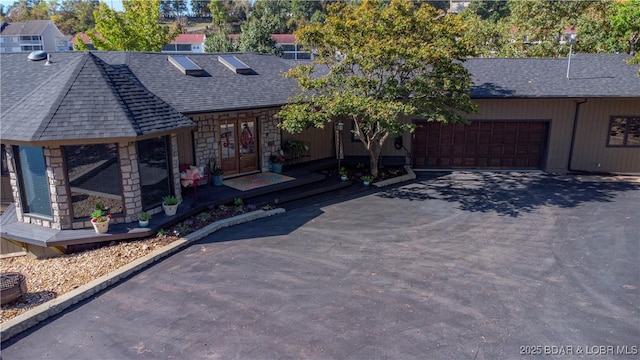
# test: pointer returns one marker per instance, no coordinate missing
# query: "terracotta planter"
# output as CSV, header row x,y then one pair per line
x,y
100,227
170,210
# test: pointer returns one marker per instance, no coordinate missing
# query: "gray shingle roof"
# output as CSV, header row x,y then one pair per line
x,y
591,75
31,27
127,94
219,89
84,98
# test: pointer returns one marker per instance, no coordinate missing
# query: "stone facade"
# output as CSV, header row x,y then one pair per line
x,y
59,187
206,135
206,146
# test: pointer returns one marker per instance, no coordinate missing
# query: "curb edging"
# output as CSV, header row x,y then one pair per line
x,y
52,307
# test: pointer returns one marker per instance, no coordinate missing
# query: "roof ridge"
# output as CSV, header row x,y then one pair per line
x,y
56,104
47,82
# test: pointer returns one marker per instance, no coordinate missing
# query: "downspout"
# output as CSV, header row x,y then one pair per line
x,y
573,134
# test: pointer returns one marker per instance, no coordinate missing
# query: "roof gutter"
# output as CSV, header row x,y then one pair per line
x,y
576,114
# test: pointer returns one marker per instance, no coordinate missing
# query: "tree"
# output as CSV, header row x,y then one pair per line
x,y
200,8
219,13
535,27
626,21
379,64
219,41
135,29
489,10
256,36
74,16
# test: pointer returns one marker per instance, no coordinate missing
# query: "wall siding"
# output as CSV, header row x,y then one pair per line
x,y
591,152
320,141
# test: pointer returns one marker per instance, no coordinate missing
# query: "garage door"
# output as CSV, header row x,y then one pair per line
x,y
480,145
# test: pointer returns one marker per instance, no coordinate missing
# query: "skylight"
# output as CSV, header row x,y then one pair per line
x,y
235,65
185,65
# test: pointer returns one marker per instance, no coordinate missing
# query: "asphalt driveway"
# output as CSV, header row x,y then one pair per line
x,y
450,266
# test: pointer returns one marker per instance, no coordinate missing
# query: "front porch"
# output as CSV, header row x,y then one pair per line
x,y
42,241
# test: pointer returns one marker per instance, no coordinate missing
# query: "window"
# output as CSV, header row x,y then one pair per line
x,y
35,186
169,47
5,167
94,178
155,170
624,131
183,47
31,47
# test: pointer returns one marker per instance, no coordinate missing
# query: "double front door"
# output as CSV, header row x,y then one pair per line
x,y
238,146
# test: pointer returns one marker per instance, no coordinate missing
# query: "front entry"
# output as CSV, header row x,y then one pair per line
x,y
238,146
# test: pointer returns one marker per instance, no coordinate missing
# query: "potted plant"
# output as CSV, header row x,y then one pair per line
x,y
170,205
100,220
216,172
366,180
277,160
143,219
343,173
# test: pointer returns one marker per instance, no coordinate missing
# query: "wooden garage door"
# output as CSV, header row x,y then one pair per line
x,y
480,145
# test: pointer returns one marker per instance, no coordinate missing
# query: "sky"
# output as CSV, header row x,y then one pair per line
x,y
115,4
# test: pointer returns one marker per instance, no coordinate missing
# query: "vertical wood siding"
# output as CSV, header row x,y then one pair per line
x,y
185,148
321,142
592,134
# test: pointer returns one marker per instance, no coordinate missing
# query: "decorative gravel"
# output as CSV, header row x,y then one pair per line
x,y
52,277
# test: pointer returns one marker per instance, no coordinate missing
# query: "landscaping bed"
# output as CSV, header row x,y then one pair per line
x,y
50,278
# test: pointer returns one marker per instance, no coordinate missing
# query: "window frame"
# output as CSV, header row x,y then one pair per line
x,y
170,183
66,153
627,120
26,206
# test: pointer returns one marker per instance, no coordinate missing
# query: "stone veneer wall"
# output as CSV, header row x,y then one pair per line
x,y
206,135
59,187
59,197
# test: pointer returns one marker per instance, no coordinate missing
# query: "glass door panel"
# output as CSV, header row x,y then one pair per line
x,y
228,150
249,148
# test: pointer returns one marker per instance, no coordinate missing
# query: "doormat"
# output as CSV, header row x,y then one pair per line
x,y
255,181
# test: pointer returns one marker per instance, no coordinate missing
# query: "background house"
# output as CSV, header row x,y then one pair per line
x,y
30,36
186,43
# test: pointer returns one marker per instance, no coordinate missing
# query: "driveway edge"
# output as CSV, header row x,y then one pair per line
x,y
410,175
52,307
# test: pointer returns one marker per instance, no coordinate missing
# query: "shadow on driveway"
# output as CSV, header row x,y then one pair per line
x,y
509,193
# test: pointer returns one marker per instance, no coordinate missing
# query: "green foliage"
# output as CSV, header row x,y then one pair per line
x,y
97,213
396,60
170,200
219,14
238,202
626,21
135,29
366,178
219,41
144,216
256,36
489,10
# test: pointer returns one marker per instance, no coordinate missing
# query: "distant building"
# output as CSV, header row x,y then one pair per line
x,y
30,36
186,43
455,6
290,48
